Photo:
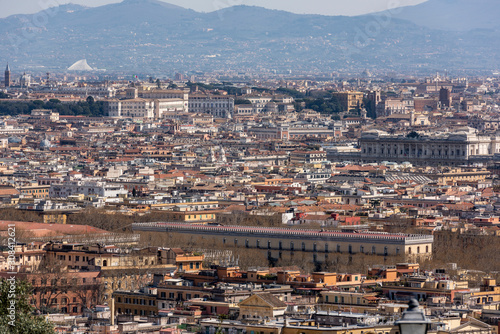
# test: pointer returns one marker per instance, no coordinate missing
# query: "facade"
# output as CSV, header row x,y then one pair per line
x,y
261,306
259,103
445,149
350,100
136,303
390,107
131,108
102,189
168,108
316,243
307,157
105,92
218,105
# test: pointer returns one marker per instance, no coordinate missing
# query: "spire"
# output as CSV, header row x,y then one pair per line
x,y
7,69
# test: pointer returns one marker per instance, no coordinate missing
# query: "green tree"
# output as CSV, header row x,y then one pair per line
x,y
241,101
24,321
371,108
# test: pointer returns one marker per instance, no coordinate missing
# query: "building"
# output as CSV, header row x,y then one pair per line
x,y
452,149
390,107
101,189
136,302
131,108
445,97
349,100
261,306
307,157
218,105
317,244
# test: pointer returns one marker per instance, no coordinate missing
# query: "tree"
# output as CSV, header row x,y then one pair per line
x,y
25,321
413,135
241,101
371,108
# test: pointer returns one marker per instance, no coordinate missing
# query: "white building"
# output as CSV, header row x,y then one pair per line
x,y
107,92
439,148
132,108
217,105
87,188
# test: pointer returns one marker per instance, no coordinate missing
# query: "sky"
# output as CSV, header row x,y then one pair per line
x,y
325,7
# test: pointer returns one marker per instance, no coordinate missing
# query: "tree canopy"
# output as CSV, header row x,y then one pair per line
x,y
25,321
82,108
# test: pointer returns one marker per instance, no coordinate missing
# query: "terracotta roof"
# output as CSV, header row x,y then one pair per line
x,y
270,299
41,229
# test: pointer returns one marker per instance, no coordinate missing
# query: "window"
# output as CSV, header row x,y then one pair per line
x,y
291,246
303,246
326,248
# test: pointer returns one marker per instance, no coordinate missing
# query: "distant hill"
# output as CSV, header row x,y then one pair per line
x,y
153,37
454,15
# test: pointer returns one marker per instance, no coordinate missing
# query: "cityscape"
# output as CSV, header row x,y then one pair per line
x,y
250,170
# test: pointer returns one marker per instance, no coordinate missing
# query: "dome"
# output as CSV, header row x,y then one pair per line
x,y
15,140
45,143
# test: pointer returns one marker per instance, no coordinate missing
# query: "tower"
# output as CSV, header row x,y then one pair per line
x,y
445,97
7,76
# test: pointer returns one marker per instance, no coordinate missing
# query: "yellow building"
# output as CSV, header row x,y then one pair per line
x,y
35,191
190,216
349,100
261,306
136,303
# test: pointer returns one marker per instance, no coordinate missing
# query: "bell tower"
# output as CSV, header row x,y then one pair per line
x,y
7,76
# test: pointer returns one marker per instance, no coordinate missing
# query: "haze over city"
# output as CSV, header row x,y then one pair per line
x,y
324,7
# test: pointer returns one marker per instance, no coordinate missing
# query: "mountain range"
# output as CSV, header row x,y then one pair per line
x,y
153,37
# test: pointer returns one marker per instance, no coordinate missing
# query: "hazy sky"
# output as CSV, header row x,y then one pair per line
x,y
327,7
